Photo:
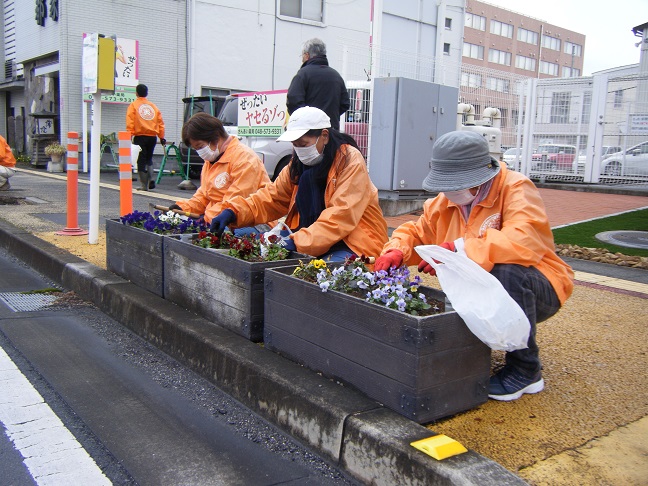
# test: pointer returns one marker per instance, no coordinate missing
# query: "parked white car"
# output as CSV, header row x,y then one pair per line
x,y
511,158
606,151
632,162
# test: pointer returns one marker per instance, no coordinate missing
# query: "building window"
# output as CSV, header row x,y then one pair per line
x,y
475,21
587,107
618,99
523,62
303,9
446,48
515,115
573,49
448,23
498,84
527,36
551,42
570,72
548,68
560,107
471,80
499,57
500,28
503,117
473,50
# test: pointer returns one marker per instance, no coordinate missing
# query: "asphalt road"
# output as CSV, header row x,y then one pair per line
x,y
141,417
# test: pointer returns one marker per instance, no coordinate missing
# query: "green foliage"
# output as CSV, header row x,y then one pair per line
x,y
583,234
23,159
111,138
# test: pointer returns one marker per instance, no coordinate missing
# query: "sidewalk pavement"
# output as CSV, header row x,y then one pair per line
x,y
369,441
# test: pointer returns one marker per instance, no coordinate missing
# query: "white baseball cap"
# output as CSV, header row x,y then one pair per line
x,y
302,120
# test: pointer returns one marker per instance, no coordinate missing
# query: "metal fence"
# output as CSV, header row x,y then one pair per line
x,y
582,130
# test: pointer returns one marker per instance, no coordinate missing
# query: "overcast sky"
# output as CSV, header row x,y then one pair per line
x,y
607,25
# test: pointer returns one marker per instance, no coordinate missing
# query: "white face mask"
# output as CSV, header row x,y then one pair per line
x,y
461,198
206,153
309,155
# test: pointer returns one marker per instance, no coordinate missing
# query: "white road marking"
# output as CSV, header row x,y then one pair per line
x,y
52,454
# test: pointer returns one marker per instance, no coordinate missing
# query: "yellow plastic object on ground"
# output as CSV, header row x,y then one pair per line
x,y
439,446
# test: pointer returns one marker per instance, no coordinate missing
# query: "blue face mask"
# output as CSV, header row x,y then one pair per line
x,y
309,155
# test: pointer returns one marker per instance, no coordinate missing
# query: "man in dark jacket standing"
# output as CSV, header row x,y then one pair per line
x,y
316,84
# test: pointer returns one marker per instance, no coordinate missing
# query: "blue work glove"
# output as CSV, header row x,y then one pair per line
x,y
286,241
175,206
222,221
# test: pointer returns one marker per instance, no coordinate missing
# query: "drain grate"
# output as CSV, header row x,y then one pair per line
x,y
19,302
629,239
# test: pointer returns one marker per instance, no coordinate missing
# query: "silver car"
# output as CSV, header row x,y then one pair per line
x,y
511,158
631,162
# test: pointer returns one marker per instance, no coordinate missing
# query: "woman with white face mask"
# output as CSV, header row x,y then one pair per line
x,y
231,168
325,193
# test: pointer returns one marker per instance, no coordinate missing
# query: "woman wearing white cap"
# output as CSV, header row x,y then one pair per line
x,y
325,193
496,217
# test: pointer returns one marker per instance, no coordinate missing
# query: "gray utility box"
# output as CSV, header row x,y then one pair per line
x,y
408,116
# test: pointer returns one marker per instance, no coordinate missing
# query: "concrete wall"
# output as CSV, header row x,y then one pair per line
x,y
246,45
32,40
159,28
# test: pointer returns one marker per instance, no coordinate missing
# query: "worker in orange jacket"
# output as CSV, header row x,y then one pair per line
x,y
230,169
7,164
495,217
144,122
325,192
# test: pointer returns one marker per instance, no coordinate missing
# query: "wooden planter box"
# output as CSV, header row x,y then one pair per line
x,y
425,368
221,288
136,255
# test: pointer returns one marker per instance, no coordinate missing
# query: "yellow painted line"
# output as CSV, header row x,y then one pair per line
x,y
611,282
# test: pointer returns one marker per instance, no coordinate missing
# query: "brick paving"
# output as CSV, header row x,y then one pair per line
x,y
564,207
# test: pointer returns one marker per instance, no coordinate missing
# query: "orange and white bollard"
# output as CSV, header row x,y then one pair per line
x,y
125,174
72,228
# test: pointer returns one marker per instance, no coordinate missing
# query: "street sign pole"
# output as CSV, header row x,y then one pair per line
x,y
95,169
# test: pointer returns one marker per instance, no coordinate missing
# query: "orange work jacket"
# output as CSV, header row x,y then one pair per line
x,y
351,213
7,158
144,118
238,172
509,226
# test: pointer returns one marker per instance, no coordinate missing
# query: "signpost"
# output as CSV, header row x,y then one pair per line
x,y
98,73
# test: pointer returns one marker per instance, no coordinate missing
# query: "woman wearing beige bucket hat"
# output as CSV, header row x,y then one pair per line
x,y
325,192
496,218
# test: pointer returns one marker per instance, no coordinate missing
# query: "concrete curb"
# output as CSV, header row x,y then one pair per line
x,y
369,441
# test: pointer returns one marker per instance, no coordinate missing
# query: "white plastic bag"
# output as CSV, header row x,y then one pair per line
x,y
135,151
488,310
276,231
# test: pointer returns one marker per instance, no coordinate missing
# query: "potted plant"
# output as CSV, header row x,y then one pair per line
x,y
135,245
55,151
222,278
383,333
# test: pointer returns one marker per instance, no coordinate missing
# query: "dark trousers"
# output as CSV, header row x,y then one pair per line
x,y
538,299
145,158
